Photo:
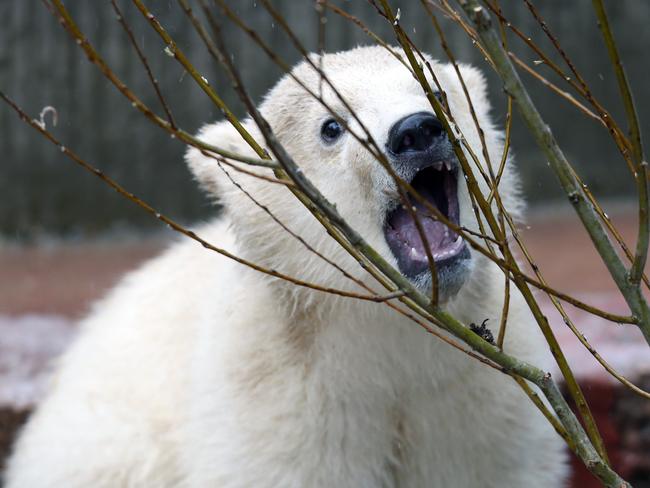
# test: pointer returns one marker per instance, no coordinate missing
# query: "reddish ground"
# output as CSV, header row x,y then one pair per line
x,y
64,279
565,254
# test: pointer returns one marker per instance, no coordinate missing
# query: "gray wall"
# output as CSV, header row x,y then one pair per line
x,y
43,192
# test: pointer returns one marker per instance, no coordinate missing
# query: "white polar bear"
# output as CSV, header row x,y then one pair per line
x,y
197,371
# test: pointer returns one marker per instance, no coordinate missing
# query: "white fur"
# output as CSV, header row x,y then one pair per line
x,y
199,372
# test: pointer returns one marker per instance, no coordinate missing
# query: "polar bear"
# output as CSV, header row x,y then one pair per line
x,y
197,371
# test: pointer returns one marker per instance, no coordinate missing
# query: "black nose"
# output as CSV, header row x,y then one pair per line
x,y
415,133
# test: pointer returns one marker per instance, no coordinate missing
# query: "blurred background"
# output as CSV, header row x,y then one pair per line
x,y
65,237
44,194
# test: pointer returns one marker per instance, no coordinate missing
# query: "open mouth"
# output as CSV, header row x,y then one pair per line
x,y
437,184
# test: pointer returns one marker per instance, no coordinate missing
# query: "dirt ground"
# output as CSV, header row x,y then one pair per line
x,y
63,279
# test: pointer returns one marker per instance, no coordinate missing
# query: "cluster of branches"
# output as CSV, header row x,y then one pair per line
x,y
489,29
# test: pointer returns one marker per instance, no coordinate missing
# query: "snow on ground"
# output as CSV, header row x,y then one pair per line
x,y
28,344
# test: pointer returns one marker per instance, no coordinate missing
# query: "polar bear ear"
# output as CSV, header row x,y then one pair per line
x,y
206,168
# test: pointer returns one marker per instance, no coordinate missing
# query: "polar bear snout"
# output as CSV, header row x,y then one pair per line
x,y
419,141
421,154
415,133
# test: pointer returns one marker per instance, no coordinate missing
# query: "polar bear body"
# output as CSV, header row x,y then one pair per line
x,y
197,371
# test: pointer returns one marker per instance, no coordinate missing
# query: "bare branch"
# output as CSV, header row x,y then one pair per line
x,y
560,165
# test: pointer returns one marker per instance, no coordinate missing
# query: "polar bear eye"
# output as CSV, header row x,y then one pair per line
x,y
330,131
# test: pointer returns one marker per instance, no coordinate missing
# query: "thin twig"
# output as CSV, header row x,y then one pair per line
x,y
566,95
506,150
356,21
145,63
641,165
557,425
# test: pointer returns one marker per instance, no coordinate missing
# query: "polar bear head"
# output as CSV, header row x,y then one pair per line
x,y
376,93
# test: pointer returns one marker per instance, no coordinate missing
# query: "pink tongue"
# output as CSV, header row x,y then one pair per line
x,y
437,234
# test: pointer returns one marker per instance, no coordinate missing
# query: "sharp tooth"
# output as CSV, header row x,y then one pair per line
x,y
448,165
415,254
438,165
